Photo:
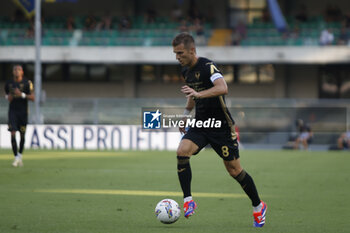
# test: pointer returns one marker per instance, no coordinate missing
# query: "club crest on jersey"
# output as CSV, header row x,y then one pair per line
x,y
197,74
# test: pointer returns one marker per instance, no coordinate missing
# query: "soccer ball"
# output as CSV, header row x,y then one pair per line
x,y
167,211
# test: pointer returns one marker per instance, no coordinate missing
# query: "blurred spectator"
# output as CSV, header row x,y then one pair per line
x,y
124,22
90,22
295,33
235,37
183,26
344,36
302,15
176,14
241,28
150,16
326,37
305,135
199,32
343,141
70,23
105,23
30,32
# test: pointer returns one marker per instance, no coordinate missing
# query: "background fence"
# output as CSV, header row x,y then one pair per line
x,y
260,121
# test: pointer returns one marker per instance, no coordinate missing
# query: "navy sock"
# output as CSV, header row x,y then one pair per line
x,y
185,174
247,183
21,143
14,144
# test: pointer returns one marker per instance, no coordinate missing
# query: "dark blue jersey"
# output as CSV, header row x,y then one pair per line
x,y
19,104
201,77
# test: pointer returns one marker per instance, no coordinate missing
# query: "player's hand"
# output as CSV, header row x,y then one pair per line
x,y
17,92
190,92
10,97
183,129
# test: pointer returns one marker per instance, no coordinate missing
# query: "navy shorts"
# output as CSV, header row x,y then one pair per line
x,y
222,141
17,121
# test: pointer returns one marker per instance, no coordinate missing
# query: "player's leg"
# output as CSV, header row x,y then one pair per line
x,y
12,128
226,146
305,144
14,123
192,142
296,143
185,150
235,169
22,140
14,143
18,157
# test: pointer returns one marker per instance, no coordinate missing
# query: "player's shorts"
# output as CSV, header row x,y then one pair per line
x,y
305,135
17,121
221,141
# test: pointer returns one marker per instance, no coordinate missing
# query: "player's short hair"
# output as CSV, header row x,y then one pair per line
x,y
15,65
184,38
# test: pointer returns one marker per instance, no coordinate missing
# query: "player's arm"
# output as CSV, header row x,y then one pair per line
x,y
8,95
23,95
31,96
30,90
189,106
219,88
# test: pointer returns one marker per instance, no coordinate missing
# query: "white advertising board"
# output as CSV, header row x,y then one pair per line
x,y
93,137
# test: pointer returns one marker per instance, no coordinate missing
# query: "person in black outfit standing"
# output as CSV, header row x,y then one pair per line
x,y
18,91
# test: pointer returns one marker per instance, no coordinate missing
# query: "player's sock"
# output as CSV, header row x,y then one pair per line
x,y
21,143
14,144
247,183
185,174
186,199
258,207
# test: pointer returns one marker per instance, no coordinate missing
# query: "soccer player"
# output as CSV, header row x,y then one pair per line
x,y
18,91
205,89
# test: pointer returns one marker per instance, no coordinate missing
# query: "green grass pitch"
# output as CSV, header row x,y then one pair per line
x,y
107,191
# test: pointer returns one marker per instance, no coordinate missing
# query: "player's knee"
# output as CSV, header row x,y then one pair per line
x,y
234,172
183,151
